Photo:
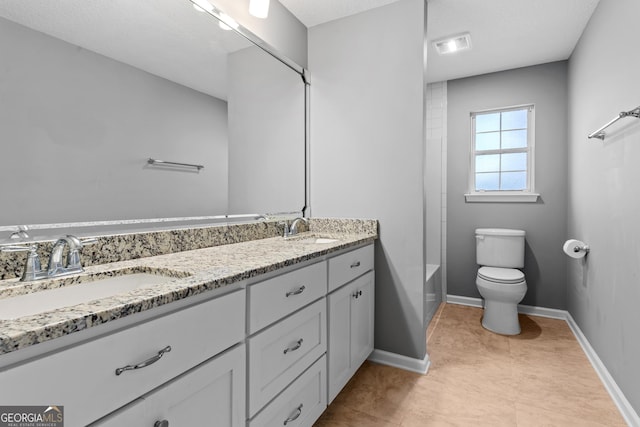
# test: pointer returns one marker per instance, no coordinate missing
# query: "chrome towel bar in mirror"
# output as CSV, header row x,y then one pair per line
x,y
162,162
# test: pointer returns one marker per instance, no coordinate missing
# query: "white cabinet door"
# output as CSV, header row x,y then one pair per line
x,y
212,394
362,321
350,313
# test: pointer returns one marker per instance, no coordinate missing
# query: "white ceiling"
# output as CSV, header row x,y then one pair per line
x,y
167,38
170,39
505,34
314,12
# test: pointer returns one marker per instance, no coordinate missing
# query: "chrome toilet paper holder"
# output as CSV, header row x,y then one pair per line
x,y
581,248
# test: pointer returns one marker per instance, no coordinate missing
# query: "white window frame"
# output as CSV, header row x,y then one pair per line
x,y
519,196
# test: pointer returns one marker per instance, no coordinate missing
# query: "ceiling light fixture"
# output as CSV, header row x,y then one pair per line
x,y
259,8
453,44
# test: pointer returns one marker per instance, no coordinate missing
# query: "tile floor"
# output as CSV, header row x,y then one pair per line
x,y
477,378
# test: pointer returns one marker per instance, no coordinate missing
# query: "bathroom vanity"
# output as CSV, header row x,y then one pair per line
x,y
257,333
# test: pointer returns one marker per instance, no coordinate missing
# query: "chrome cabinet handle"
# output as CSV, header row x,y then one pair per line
x,y
146,363
355,264
294,417
296,292
162,423
295,347
357,294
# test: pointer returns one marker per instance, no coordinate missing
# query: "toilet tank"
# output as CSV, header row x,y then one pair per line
x,y
500,247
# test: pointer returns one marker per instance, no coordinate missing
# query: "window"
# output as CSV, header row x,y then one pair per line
x,y
502,157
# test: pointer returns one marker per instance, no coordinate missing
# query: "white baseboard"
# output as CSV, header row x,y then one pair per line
x,y
552,313
420,366
618,397
625,408
469,301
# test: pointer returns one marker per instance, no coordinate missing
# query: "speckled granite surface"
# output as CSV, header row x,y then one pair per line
x,y
126,246
195,271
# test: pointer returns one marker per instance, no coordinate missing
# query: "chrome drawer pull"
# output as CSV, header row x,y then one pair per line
x,y
146,363
355,264
294,417
296,292
295,347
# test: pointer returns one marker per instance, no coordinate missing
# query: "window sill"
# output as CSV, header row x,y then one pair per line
x,y
501,197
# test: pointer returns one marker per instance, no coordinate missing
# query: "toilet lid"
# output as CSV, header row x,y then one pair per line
x,y
501,275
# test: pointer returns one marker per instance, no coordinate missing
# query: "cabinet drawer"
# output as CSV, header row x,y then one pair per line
x,y
280,353
347,267
301,404
273,299
83,378
212,393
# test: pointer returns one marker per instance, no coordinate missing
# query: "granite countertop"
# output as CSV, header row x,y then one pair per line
x,y
193,272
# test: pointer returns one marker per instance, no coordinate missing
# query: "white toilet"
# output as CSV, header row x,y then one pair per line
x,y
500,252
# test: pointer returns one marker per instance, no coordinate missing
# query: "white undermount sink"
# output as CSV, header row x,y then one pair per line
x,y
317,240
89,290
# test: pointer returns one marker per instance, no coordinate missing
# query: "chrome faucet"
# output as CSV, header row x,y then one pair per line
x,y
292,230
33,268
20,233
56,267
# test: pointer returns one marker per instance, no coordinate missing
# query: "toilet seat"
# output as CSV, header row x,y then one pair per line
x,y
501,275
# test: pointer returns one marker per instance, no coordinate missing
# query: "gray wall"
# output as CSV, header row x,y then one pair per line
x,y
544,221
280,29
604,289
367,148
76,129
266,127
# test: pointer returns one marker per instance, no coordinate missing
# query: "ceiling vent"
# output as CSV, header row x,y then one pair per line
x,y
453,44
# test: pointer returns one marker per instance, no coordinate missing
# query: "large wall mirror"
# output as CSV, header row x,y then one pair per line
x,y
90,90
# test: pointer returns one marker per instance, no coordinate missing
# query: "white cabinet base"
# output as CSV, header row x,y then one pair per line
x,y
350,313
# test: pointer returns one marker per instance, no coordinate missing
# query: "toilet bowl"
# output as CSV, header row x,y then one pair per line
x,y
500,252
502,290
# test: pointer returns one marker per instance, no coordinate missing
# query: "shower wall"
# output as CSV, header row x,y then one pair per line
x,y
435,196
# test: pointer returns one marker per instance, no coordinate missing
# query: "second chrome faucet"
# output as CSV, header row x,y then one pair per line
x,y
33,267
292,230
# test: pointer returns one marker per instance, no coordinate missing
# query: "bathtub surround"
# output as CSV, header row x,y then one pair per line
x,y
435,185
195,271
603,288
367,151
545,221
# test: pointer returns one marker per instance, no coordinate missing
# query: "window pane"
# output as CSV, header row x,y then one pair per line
x,y
488,163
514,181
514,139
514,162
488,141
514,119
487,181
487,122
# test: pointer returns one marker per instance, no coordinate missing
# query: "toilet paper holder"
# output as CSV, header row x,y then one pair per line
x,y
575,248
581,248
